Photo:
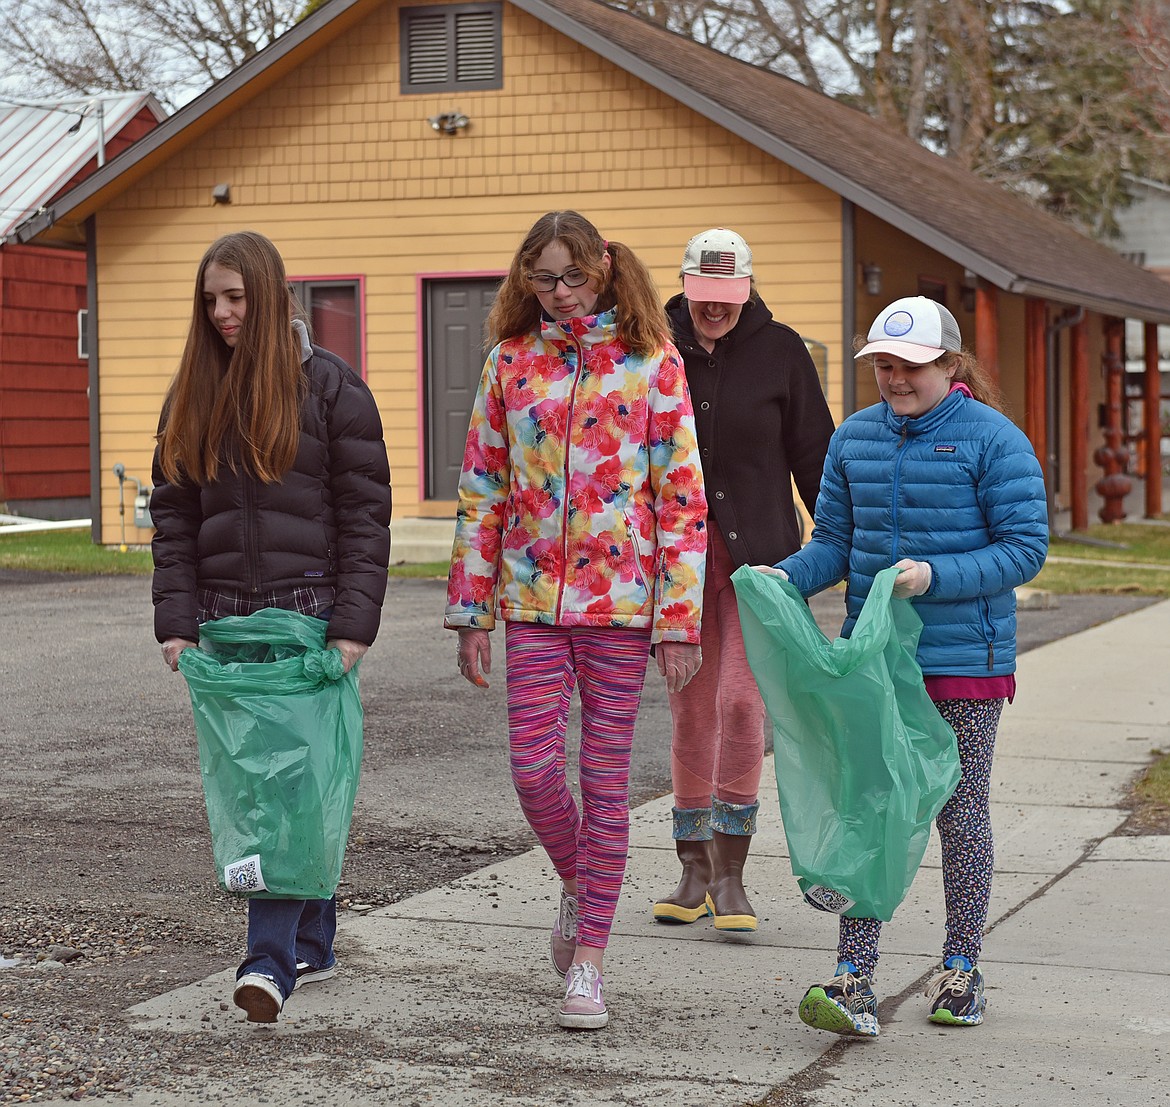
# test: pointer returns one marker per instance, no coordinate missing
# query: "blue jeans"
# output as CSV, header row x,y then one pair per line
x,y
282,932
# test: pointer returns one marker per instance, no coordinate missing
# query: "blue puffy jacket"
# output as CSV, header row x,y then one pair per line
x,y
959,488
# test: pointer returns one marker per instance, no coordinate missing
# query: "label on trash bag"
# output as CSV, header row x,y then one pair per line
x,y
827,899
244,875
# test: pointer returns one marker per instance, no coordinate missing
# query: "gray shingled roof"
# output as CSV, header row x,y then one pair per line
x,y
982,226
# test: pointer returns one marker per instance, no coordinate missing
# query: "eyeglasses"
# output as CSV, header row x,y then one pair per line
x,y
546,282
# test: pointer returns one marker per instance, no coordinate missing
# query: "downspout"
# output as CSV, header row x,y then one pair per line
x,y
1066,319
95,438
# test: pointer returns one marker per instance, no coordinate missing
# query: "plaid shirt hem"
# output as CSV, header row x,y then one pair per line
x,y
315,600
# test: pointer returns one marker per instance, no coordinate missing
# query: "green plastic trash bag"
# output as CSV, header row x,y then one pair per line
x,y
864,761
279,726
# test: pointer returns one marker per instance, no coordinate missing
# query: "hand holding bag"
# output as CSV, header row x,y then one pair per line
x,y
279,725
864,761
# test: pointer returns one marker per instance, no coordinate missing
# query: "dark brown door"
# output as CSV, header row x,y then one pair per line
x,y
455,314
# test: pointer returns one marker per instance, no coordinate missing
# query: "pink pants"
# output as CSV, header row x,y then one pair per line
x,y
717,744
609,667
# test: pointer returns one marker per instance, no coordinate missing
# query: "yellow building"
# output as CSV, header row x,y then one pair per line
x,y
397,152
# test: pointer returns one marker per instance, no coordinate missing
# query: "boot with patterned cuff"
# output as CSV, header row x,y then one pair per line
x,y
692,839
733,825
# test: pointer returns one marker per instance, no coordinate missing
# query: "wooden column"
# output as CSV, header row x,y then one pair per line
x,y
1114,486
987,328
1152,418
1035,383
1079,427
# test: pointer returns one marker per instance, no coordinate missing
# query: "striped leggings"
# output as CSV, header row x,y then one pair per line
x,y
608,666
964,831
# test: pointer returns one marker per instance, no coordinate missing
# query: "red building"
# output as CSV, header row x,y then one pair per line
x,y
46,149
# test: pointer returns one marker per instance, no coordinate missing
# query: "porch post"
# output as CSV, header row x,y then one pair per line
x,y
1113,455
1035,384
1079,427
1152,417
987,328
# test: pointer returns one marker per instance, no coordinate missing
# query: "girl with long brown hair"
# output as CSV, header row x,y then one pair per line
x,y
581,525
271,490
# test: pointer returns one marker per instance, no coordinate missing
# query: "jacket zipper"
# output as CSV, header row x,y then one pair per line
x,y
989,629
897,534
633,531
565,496
250,554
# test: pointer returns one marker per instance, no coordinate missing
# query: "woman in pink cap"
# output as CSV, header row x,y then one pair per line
x,y
762,422
936,480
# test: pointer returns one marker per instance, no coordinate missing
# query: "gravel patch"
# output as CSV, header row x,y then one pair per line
x,y
73,966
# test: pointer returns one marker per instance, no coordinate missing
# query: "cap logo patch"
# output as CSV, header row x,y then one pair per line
x,y
898,324
717,263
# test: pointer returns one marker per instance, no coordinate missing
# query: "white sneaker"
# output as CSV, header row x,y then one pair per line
x,y
258,996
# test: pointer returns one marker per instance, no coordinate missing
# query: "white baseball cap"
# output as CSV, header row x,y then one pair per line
x,y
717,267
915,329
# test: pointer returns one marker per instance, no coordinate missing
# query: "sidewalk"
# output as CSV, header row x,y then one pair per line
x,y
452,994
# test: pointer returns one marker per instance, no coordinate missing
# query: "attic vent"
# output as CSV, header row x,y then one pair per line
x,y
451,47
1138,257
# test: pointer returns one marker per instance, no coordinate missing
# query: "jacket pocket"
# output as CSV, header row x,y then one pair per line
x,y
632,531
989,633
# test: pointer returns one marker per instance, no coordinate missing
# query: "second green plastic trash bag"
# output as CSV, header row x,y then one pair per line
x,y
864,761
279,726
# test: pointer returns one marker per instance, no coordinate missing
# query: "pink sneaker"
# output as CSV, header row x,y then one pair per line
x,y
584,1006
562,946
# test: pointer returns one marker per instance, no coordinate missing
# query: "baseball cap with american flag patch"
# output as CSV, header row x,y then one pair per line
x,y
717,267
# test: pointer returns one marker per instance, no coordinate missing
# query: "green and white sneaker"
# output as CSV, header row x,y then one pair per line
x,y
844,1005
956,994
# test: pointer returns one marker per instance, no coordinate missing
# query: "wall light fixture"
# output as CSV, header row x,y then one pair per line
x,y
448,122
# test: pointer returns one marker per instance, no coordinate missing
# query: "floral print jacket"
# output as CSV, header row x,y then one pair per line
x,y
581,498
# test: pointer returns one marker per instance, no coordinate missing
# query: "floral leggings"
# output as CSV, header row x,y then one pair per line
x,y
964,830
608,666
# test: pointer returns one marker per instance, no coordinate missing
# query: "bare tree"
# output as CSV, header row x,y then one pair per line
x,y
173,48
812,41
1058,101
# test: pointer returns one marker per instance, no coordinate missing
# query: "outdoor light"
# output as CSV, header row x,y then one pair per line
x,y
448,122
872,275
222,194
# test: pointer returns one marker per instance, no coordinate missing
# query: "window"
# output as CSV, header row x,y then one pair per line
x,y
331,308
933,288
451,47
819,353
83,333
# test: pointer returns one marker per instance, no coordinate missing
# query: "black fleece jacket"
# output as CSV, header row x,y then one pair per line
x,y
325,523
762,422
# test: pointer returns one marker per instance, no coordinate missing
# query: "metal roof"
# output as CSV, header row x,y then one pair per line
x,y
41,152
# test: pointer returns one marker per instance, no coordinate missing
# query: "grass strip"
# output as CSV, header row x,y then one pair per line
x,y
72,551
